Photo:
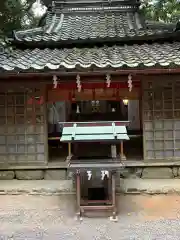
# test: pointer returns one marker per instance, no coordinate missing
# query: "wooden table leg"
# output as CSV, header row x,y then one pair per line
x,y
69,154
69,149
114,213
122,156
78,194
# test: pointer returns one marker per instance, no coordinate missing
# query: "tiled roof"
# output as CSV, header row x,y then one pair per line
x,y
62,27
161,25
134,56
98,20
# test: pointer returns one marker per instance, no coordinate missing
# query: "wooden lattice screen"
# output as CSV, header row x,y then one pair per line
x,y
22,126
161,118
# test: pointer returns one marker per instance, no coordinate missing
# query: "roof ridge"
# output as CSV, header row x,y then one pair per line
x,y
122,2
93,5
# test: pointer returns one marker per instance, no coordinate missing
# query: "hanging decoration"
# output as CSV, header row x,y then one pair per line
x,y
78,82
104,173
89,175
108,80
130,82
55,82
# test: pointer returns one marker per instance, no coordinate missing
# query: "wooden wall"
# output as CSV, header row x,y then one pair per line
x,y
161,117
23,135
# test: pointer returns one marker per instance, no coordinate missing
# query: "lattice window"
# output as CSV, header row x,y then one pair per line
x,y
161,108
22,126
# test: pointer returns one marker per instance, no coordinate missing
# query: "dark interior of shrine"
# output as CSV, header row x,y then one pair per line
x,y
95,190
97,194
85,111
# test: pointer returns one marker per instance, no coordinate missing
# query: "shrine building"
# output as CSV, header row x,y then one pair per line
x,y
90,61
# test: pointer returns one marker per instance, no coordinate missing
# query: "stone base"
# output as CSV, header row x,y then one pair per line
x,y
62,174
55,175
59,174
7,175
157,173
150,172
29,175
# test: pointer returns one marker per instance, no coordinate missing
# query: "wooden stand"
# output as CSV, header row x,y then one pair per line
x,y
114,132
99,207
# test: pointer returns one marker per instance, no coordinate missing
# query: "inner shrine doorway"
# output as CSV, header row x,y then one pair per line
x,y
95,102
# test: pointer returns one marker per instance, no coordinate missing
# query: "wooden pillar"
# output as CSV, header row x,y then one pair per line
x,y
69,149
122,156
78,193
69,154
114,194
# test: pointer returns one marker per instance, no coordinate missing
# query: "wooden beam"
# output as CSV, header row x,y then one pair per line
x,y
86,72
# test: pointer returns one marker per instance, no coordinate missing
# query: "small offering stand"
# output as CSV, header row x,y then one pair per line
x,y
95,177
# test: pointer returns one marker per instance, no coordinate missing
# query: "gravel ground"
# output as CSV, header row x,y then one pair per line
x,y
52,217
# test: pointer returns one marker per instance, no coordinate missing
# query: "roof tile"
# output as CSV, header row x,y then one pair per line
x,y
146,55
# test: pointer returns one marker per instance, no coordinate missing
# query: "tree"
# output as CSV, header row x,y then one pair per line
x,y
17,14
162,10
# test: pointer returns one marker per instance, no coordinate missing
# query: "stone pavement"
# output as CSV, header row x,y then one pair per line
x,y
149,217
58,187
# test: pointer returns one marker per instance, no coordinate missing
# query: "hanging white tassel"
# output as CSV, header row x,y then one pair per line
x,y
130,86
55,82
108,80
78,82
